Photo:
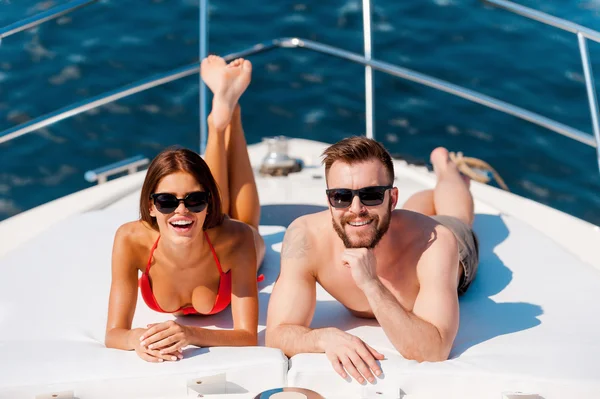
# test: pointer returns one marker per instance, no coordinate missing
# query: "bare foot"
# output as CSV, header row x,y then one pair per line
x,y
227,82
440,159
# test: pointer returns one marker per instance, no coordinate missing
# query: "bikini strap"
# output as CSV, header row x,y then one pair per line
x,y
151,254
212,249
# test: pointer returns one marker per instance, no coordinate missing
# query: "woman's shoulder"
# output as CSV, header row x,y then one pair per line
x,y
135,237
135,230
232,232
232,238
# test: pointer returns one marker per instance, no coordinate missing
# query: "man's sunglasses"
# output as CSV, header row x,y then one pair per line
x,y
369,196
167,203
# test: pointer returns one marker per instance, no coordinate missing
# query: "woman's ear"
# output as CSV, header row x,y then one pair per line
x,y
151,209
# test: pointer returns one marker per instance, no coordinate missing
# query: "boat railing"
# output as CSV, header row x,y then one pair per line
x,y
45,16
583,34
129,165
363,59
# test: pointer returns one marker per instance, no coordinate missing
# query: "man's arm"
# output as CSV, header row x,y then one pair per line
x,y
291,308
292,302
427,332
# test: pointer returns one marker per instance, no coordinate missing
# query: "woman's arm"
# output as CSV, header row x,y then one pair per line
x,y
123,292
244,296
123,298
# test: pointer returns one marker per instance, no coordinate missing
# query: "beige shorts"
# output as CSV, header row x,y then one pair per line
x,y
468,248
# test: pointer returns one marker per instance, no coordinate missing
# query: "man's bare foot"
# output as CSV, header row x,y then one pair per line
x,y
440,159
227,82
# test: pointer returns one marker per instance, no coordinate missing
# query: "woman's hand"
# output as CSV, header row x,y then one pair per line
x,y
151,355
166,338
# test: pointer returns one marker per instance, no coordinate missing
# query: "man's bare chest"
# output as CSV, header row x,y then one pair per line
x,y
398,277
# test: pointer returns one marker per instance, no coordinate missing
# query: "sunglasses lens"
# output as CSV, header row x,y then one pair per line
x,y
340,198
196,202
166,203
371,196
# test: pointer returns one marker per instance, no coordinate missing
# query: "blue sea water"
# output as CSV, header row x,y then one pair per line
x,y
298,93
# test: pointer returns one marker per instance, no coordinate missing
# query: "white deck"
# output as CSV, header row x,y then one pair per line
x,y
528,323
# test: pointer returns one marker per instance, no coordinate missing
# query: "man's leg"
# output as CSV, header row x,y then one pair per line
x,y
451,196
421,202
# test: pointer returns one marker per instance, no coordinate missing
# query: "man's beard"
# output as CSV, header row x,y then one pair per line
x,y
364,242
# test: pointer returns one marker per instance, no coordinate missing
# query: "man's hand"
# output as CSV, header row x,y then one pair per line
x,y
348,353
362,264
166,337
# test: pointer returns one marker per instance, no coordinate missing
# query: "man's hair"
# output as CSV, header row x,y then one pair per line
x,y
358,149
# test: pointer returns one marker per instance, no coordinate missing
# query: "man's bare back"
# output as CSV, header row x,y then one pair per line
x,y
400,266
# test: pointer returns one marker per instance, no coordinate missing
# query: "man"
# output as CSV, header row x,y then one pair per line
x,y
404,267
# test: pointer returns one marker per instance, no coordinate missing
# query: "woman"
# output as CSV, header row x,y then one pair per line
x,y
196,243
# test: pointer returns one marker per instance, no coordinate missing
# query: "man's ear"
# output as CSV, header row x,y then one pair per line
x,y
394,198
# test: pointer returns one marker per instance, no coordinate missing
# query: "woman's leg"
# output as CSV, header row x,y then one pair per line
x,y
216,158
226,152
243,194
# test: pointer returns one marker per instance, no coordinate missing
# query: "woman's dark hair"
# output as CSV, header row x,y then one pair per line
x,y
173,160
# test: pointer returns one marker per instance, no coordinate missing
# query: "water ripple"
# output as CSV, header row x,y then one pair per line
x,y
301,93
8,207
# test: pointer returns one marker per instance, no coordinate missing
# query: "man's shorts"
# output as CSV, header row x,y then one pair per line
x,y
468,248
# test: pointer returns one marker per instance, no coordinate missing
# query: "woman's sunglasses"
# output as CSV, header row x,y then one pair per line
x,y
369,196
167,203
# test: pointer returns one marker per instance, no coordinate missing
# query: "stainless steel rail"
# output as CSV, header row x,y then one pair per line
x,y
545,18
591,91
203,90
582,33
451,88
103,173
369,90
385,67
96,101
45,16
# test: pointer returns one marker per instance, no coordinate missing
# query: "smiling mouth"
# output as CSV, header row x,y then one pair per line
x,y
182,225
358,224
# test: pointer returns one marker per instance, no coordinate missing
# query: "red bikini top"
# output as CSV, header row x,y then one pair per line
x,y
223,295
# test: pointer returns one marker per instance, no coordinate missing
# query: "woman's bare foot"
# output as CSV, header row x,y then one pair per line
x,y
440,159
227,82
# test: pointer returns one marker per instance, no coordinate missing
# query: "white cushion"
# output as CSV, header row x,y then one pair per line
x,y
529,322
53,310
